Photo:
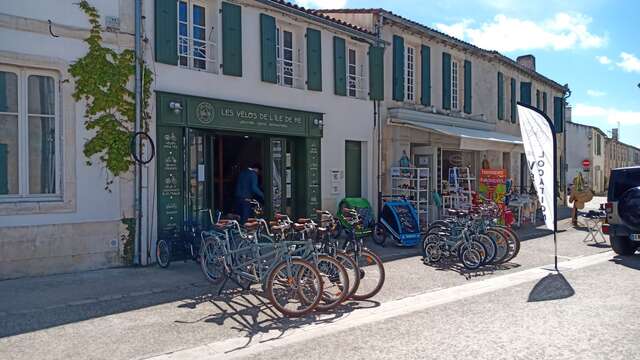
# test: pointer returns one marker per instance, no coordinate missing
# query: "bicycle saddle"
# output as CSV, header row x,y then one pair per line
x,y
251,226
298,227
279,216
304,221
277,228
223,223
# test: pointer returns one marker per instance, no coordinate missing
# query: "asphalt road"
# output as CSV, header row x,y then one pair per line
x,y
126,314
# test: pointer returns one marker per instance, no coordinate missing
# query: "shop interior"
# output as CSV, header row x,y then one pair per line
x,y
216,160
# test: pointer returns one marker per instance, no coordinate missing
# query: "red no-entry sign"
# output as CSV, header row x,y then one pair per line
x,y
586,163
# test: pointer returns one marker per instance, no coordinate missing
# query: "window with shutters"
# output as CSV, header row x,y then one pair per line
x,y
289,57
197,47
410,74
29,140
454,85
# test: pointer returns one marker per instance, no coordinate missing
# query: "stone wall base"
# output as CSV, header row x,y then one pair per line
x,y
59,248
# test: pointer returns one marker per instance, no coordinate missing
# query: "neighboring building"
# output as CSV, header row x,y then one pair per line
x,y
55,215
619,154
449,103
588,143
235,83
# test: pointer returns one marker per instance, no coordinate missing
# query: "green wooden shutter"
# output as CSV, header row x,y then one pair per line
x,y
425,87
398,68
446,81
314,60
513,100
544,102
467,87
376,73
353,169
166,31
268,56
339,66
558,114
4,170
525,92
537,99
500,96
231,39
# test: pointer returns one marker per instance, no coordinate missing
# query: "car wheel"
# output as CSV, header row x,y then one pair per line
x,y
622,245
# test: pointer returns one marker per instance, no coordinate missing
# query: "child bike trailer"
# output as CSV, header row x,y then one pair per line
x,y
399,220
363,208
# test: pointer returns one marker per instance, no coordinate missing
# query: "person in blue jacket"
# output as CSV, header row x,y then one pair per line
x,y
247,188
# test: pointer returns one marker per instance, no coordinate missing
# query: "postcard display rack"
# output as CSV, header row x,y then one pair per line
x,y
413,184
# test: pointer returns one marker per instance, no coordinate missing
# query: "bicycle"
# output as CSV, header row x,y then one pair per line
x,y
369,264
293,285
189,240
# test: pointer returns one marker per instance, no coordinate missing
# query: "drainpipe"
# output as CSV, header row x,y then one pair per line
x,y
137,198
378,121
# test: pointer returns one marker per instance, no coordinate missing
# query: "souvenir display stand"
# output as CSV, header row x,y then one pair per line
x,y
413,184
459,191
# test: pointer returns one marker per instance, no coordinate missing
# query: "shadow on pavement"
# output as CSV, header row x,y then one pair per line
x,y
451,265
632,261
46,302
551,287
250,313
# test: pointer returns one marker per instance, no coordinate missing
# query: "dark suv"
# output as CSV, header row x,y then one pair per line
x,y
623,210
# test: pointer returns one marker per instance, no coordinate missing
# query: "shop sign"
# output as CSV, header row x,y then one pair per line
x,y
492,184
235,116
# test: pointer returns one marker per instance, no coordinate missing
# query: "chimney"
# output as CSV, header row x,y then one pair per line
x,y
528,61
614,134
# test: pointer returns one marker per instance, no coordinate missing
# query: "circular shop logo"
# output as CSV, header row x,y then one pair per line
x,y
205,112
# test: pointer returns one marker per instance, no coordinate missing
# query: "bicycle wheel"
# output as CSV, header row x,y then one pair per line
x,y
352,271
489,245
479,253
335,282
294,288
430,238
502,245
432,252
163,253
212,261
470,258
379,234
371,274
512,239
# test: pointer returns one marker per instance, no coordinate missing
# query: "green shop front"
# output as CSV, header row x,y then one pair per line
x,y
202,145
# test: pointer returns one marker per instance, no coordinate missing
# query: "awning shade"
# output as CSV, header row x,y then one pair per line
x,y
471,139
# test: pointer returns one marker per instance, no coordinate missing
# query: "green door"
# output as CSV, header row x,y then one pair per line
x,y
353,168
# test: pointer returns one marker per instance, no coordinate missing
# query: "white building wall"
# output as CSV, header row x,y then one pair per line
x,y
81,229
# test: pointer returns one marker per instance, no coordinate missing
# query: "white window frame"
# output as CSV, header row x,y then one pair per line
x,y
210,57
410,74
295,64
455,90
23,194
356,76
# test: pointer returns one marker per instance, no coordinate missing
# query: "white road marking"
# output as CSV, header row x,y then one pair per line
x,y
234,347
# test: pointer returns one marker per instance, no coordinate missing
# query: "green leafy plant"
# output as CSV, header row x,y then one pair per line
x,y
103,78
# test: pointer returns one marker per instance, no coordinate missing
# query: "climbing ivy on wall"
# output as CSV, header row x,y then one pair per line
x,y
103,78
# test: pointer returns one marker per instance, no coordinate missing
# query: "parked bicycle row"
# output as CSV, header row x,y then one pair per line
x,y
474,237
298,264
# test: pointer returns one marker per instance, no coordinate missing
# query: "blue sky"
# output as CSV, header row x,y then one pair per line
x,y
593,45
